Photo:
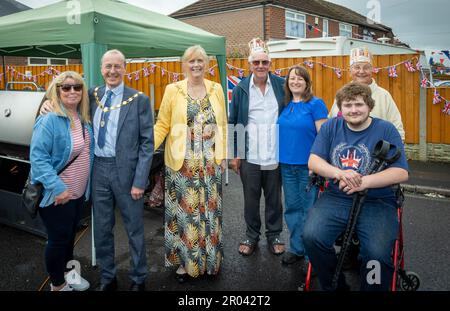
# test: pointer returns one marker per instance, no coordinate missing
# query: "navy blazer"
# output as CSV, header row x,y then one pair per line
x,y
134,141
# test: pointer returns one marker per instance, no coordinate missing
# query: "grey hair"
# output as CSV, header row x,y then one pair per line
x,y
252,54
114,51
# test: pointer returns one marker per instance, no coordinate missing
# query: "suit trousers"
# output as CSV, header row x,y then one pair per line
x,y
106,194
254,180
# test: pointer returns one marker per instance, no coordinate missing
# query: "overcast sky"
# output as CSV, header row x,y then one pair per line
x,y
422,24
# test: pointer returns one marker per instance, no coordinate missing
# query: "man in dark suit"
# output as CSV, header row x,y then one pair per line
x,y
123,131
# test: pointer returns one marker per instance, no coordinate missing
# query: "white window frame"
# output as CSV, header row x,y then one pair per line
x,y
325,32
46,61
345,28
299,18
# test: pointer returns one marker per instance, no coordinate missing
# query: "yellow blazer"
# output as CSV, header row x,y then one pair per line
x,y
172,122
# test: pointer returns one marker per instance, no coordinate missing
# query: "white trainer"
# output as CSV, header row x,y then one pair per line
x,y
76,281
66,288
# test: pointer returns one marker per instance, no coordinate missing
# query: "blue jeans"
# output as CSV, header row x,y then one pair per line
x,y
377,228
297,202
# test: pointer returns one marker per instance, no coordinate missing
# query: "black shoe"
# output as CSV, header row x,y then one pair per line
x,y
110,287
290,258
134,287
182,277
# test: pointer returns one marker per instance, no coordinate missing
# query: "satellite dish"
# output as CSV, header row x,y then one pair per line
x,y
384,40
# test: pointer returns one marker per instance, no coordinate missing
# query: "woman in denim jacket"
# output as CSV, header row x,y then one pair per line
x,y
61,155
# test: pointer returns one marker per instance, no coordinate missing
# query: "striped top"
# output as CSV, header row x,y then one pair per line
x,y
77,174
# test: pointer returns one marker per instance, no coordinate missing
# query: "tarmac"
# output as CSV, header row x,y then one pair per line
x,y
428,178
22,266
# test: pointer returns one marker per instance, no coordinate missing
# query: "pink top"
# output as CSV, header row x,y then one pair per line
x,y
77,174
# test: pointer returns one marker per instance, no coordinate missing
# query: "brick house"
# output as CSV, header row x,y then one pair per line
x,y
241,20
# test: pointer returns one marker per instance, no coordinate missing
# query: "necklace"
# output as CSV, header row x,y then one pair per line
x,y
106,109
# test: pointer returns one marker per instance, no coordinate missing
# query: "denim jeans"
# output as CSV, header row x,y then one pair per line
x,y
377,228
61,223
297,202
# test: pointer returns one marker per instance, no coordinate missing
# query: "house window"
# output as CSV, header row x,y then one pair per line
x,y
325,28
345,30
367,35
295,25
43,61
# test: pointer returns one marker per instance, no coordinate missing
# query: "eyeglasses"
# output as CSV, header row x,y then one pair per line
x,y
68,87
262,62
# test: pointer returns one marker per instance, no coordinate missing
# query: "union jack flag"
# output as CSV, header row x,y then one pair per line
x,y
211,71
375,70
424,82
175,77
240,73
136,75
152,68
350,160
418,66
278,72
409,66
308,63
436,97
146,73
232,81
338,72
393,72
446,109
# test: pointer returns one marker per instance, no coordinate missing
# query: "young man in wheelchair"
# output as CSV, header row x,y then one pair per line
x,y
342,153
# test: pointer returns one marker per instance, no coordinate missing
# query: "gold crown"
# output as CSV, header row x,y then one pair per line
x,y
360,55
258,45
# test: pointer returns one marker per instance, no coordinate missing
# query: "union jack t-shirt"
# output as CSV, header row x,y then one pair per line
x,y
346,149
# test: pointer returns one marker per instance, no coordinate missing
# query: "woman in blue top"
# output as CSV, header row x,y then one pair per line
x,y
61,156
299,124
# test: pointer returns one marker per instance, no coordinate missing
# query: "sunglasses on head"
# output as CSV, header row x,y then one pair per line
x,y
262,62
68,87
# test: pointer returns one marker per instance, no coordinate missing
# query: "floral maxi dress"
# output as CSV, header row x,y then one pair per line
x,y
193,199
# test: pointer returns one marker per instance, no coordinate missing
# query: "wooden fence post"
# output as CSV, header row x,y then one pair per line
x,y
422,123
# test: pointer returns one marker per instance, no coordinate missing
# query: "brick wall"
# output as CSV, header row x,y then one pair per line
x,y
333,28
311,20
275,23
239,27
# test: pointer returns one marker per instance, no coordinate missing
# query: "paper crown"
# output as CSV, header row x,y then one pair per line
x,y
360,55
257,45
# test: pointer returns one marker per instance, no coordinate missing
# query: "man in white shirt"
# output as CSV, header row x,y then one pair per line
x,y
256,103
361,71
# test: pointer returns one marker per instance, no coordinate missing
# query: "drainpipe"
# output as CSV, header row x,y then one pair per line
x,y
264,20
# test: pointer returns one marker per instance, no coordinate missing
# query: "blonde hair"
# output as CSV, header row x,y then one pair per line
x,y
53,94
194,51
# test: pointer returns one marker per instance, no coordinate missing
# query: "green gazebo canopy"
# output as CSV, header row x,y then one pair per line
x,y
86,29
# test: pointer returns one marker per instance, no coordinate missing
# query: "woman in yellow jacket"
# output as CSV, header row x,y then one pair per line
x,y
192,118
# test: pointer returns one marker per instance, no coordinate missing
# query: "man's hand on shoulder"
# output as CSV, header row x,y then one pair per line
x,y
46,107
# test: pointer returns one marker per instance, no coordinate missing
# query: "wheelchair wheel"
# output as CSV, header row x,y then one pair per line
x,y
409,281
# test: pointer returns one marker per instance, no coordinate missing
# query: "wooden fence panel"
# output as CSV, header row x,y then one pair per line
x,y
405,88
438,123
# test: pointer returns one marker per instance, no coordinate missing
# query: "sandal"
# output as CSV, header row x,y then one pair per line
x,y
250,247
272,246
